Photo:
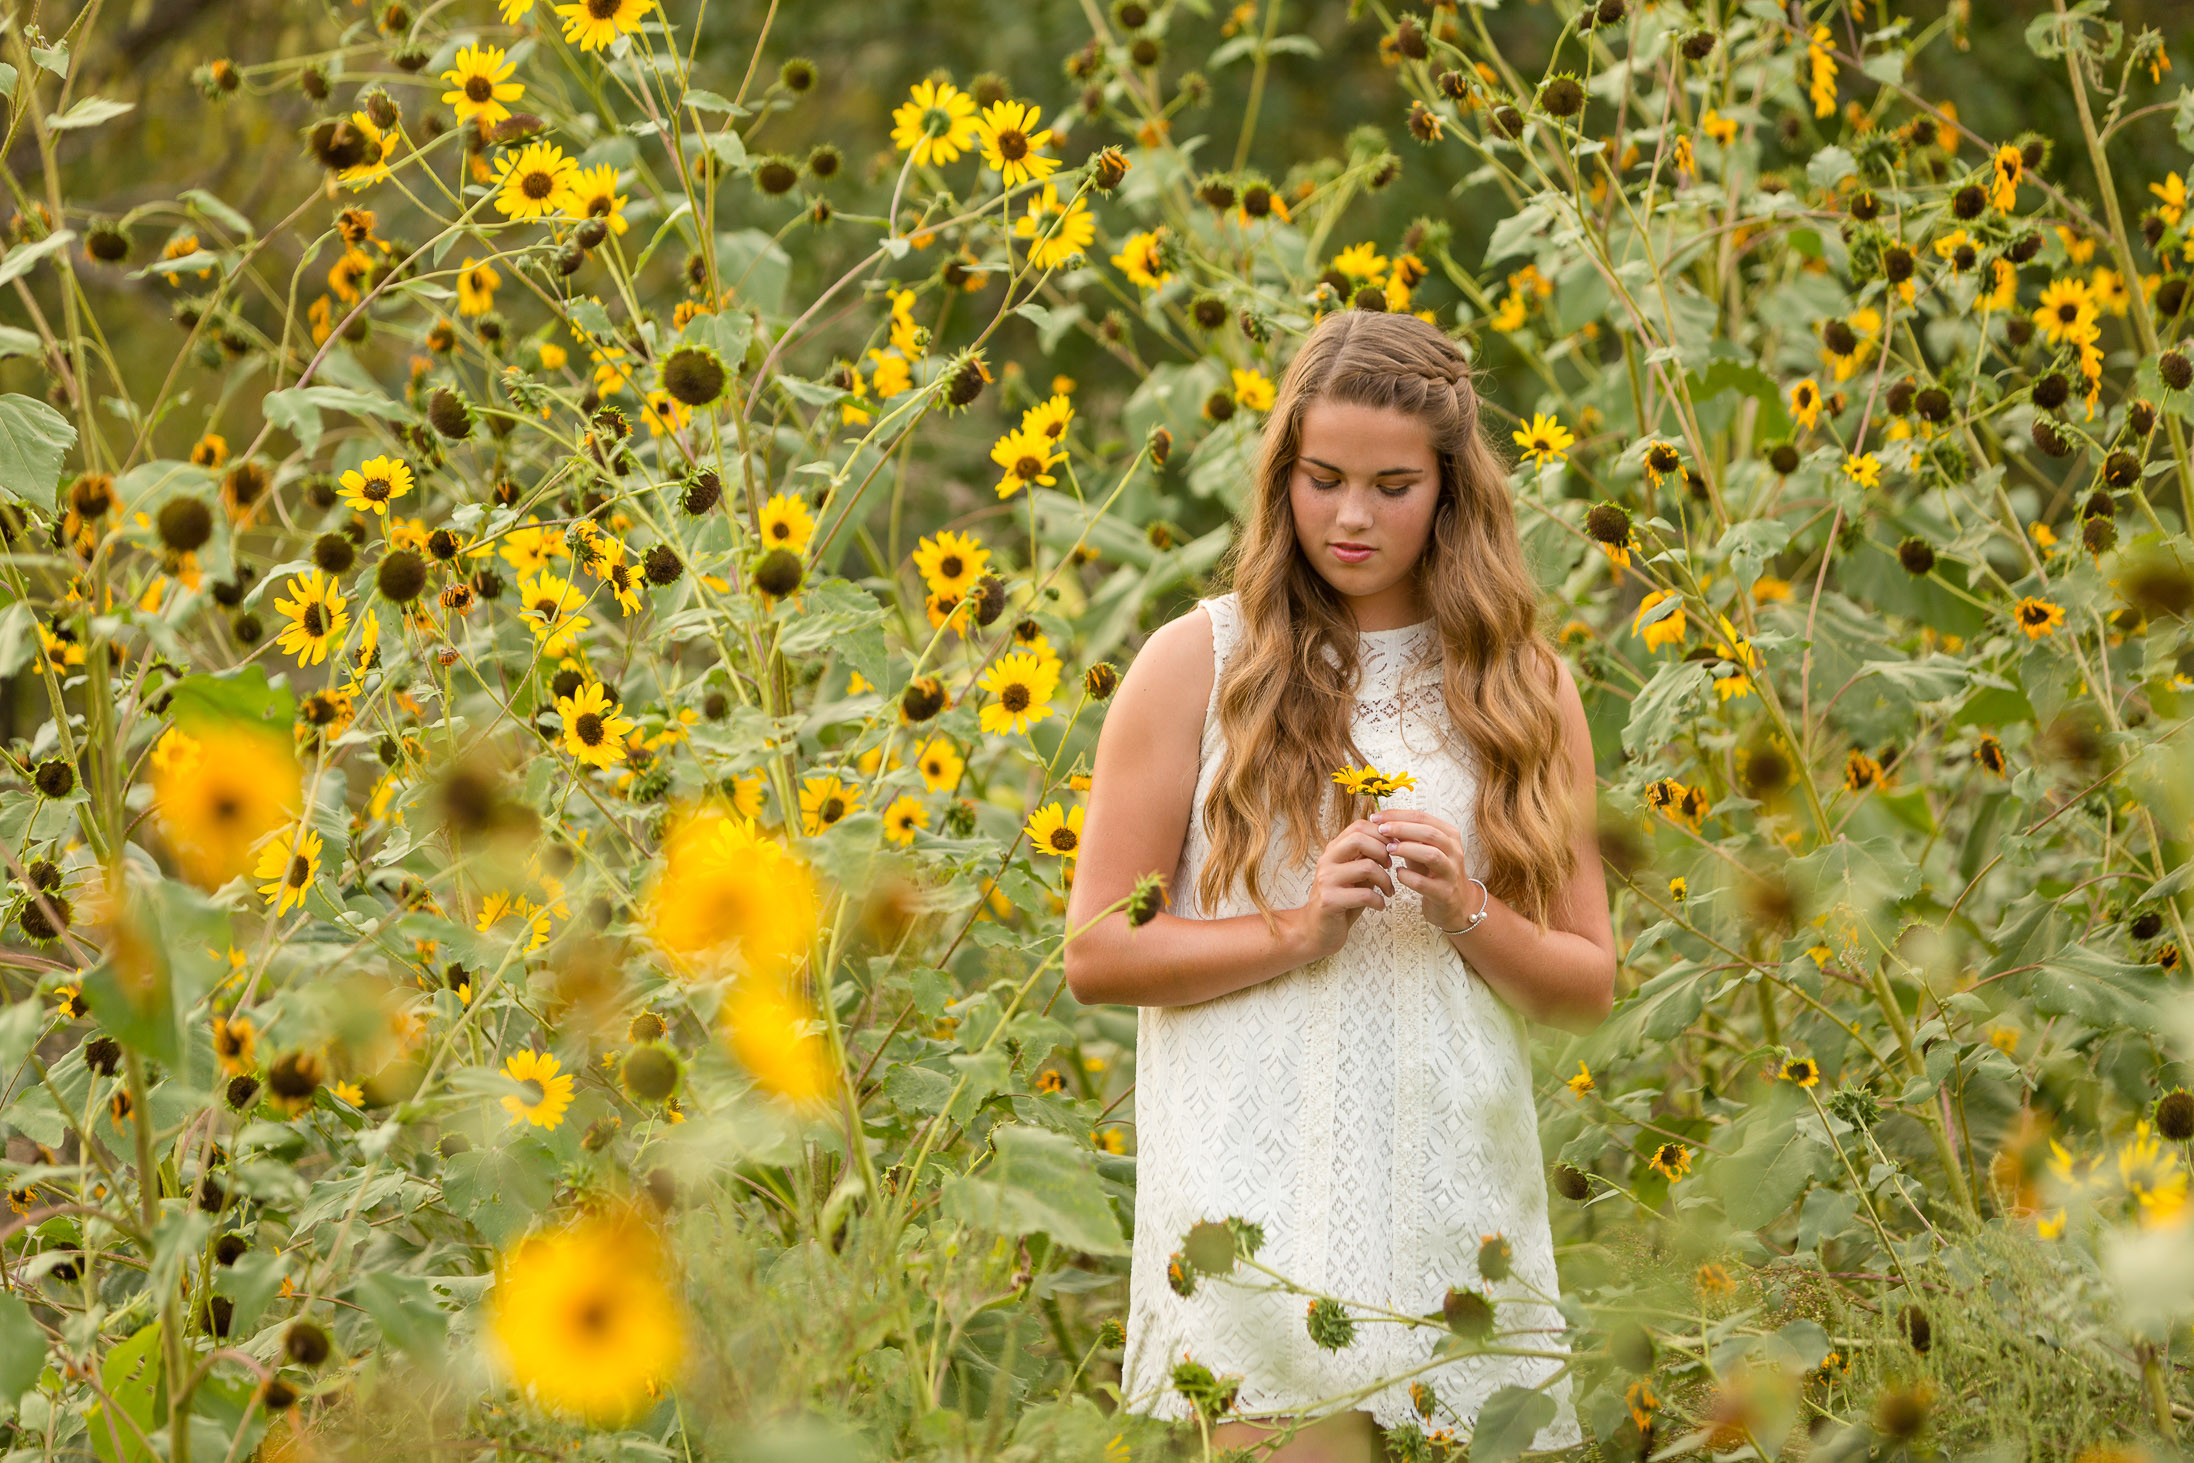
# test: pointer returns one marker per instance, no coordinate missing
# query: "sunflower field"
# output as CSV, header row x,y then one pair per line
x,y
561,565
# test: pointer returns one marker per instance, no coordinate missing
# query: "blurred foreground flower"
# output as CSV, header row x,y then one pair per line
x,y
218,789
585,1318
728,893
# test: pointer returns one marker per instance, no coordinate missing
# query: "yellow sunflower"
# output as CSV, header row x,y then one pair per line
x,y
1805,402
726,893
905,814
1667,630
481,82
544,1093
787,524
950,563
1362,263
1056,831
593,731
1049,418
593,194
317,616
1060,231
217,789
936,123
1010,143
534,183
824,800
1253,389
1545,440
1138,260
289,864
585,1319
1671,1160
1027,458
2067,309
372,485
549,604
593,24
380,147
2038,617
768,1031
476,286
940,764
1021,688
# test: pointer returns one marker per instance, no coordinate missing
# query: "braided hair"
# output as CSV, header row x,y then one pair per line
x,y
1287,695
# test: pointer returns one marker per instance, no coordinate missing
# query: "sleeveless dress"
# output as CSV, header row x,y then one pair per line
x,y
1372,1110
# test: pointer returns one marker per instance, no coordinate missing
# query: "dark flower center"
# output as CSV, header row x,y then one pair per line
x,y
1012,144
832,810
2068,312
225,807
314,620
1027,467
300,871
537,184
592,1316
589,727
1015,698
377,490
1064,839
2033,614
604,9
780,530
949,566
599,205
534,1094
545,608
479,89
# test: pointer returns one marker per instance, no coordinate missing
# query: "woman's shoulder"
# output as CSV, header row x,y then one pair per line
x,y
1177,648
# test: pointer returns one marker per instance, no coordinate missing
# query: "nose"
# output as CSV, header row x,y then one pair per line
x,y
1355,510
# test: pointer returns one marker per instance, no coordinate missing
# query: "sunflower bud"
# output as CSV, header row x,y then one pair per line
x,y
2177,371
1608,523
779,573
54,779
1495,1258
966,385
1468,1314
295,1076
516,127
402,575
1331,1327
923,698
1145,901
107,243
1562,97
1917,1330
1161,445
1570,1182
1107,169
702,493
448,414
694,375
650,1073
1209,1247
305,1343
2049,440
989,599
1101,680
185,524
1917,556
2175,1115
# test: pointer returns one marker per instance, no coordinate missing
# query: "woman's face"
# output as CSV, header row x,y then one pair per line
x,y
1363,488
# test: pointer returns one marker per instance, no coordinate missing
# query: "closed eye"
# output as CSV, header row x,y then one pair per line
x,y
1319,482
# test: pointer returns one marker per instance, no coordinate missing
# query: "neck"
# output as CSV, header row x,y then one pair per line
x,y
1392,608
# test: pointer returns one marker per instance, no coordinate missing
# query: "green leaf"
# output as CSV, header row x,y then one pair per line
x,y
33,440
403,1307
7,81
1779,1158
1664,705
22,1349
240,695
15,341
1040,1182
131,1376
1508,1422
708,101
1519,233
203,202
1746,379
89,112
1830,166
21,261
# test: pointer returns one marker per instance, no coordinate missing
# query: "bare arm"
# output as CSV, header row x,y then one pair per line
x,y
1142,789
1563,975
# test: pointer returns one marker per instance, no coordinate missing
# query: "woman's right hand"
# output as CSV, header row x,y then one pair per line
x,y
1353,875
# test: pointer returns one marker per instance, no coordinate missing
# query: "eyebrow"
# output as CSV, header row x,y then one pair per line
x,y
1381,473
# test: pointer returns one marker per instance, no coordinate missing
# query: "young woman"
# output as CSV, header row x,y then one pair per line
x,y
1332,1037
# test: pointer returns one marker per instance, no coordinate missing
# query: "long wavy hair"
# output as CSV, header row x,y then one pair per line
x,y
1288,691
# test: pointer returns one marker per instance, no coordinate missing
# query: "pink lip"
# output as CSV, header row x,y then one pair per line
x,y
1352,553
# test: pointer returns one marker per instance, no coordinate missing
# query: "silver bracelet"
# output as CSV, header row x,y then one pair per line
x,y
1485,906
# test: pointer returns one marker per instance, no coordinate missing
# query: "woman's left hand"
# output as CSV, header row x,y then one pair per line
x,y
1434,848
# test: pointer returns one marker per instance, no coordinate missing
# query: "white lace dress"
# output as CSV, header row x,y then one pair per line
x,y
1372,1111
